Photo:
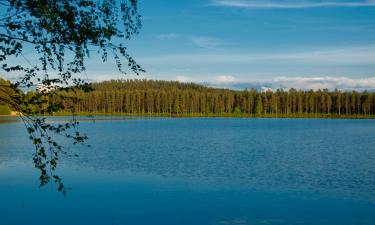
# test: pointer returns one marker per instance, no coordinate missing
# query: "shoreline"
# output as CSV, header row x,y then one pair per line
x,y
200,115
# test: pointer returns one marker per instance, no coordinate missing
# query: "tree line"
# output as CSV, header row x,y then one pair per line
x,y
176,98
4,97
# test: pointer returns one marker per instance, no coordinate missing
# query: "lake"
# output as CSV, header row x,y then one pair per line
x,y
198,171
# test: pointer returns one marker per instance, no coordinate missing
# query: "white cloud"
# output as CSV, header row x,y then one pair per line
x,y
291,4
331,83
303,83
182,78
225,79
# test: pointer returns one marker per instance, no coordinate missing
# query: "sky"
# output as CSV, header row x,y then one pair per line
x,y
254,43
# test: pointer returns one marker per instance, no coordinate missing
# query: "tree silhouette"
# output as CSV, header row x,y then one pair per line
x,y
61,34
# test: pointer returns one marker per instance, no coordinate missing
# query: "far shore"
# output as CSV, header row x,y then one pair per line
x,y
211,115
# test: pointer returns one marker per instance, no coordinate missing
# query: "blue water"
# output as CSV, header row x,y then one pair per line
x,y
198,171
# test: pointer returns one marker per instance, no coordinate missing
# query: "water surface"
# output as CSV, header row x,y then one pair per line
x,y
198,171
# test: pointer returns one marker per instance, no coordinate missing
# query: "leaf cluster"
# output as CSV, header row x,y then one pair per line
x,y
61,35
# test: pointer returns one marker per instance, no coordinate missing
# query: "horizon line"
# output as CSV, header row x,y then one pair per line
x,y
290,5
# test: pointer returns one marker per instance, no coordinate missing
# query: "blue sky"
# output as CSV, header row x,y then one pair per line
x,y
272,43
231,41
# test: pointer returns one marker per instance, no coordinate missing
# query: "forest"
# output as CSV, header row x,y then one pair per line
x,y
154,97
4,97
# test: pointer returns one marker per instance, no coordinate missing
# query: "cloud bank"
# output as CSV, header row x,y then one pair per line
x,y
291,4
300,83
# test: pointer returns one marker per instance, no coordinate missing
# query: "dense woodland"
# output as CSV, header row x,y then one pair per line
x,y
4,97
175,98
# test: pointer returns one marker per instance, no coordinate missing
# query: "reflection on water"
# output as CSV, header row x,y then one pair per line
x,y
8,119
201,171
